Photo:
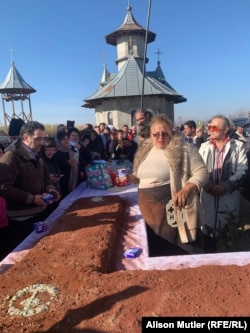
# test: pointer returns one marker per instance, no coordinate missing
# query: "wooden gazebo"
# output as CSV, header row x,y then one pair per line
x,y
15,89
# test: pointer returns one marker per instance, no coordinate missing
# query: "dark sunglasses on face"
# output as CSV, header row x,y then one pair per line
x,y
157,135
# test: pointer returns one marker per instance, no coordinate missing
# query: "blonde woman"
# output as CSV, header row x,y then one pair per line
x,y
170,173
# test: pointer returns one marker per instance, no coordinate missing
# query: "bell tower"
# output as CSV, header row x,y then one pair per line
x,y
15,90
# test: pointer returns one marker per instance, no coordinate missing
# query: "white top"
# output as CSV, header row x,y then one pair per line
x,y
154,170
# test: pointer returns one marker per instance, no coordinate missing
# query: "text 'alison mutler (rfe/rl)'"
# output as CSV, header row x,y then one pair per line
x,y
204,323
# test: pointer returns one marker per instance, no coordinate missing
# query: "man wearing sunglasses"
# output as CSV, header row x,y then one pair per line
x,y
226,162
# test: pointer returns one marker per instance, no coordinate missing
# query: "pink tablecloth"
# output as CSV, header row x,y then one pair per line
x,y
134,235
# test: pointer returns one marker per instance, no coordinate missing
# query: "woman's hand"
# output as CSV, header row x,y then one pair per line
x,y
181,197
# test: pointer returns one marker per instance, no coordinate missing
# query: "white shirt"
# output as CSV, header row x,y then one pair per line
x,y
154,170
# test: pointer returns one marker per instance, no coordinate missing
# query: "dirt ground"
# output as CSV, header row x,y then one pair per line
x,y
67,283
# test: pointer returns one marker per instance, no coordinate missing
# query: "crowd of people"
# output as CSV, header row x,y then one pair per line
x,y
189,177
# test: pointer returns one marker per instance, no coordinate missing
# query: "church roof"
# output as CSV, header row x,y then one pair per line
x,y
14,83
129,82
129,25
159,76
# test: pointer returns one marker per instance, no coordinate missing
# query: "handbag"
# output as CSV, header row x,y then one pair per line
x,y
187,219
98,175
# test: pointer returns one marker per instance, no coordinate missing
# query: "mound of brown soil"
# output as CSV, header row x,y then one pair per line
x,y
68,283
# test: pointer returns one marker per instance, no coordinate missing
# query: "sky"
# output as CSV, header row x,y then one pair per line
x,y
59,48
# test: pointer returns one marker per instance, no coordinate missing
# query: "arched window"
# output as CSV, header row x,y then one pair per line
x,y
131,45
110,118
148,115
133,122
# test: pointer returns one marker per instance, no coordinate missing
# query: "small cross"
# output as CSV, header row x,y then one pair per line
x,y
158,52
11,53
104,56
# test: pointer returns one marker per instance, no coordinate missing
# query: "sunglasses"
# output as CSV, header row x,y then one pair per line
x,y
213,128
157,135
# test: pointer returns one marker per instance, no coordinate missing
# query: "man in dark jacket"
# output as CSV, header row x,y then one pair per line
x,y
24,181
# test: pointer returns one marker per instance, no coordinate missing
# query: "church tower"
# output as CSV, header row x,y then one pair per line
x,y
119,94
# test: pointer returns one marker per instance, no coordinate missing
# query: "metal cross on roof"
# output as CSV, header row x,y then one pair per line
x,y
104,56
158,52
11,54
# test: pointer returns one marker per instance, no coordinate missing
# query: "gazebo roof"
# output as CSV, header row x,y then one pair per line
x,y
14,83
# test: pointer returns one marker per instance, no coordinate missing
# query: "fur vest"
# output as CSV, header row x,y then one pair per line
x,y
186,165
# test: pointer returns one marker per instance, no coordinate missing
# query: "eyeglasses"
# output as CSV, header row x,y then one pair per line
x,y
157,135
213,128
